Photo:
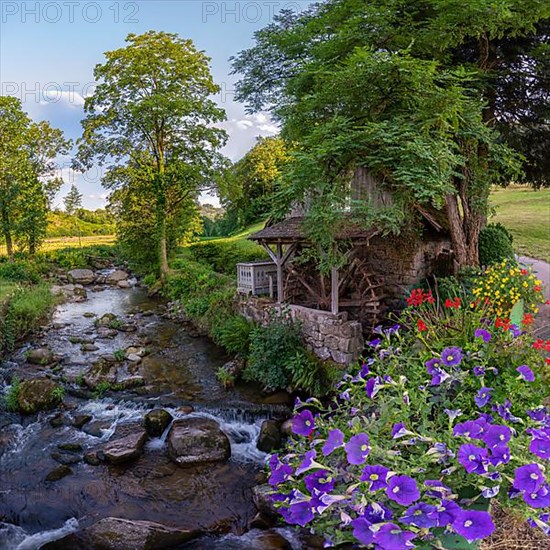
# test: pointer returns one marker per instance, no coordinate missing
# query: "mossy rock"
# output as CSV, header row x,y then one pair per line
x,y
38,394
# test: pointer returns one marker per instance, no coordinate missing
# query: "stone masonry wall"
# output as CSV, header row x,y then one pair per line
x,y
330,337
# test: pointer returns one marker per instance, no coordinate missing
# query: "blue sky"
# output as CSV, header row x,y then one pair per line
x,y
48,50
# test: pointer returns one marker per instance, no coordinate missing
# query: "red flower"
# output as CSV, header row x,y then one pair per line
x,y
547,360
527,319
428,297
537,288
505,324
538,344
524,272
547,345
416,298
547,302
421,325
454,303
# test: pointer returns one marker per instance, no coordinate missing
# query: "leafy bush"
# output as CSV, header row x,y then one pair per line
x,y
20,271
495,244
232,333
442,418
11,397
504,284
224,255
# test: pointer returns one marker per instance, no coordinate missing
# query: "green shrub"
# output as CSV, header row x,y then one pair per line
x,y
21,271
11,398
224,255
495,244
232,333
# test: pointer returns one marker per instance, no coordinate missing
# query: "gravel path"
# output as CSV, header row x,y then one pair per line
x,y
542,270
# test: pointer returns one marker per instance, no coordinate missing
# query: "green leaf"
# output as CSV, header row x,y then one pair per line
x,y
516,315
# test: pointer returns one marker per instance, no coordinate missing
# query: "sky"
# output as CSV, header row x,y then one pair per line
x,y
48,50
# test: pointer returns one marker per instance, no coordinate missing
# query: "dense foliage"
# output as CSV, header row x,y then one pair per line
x,y
83,222
495,244
444,416
412,92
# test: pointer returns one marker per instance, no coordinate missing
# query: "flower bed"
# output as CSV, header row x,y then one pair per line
x,y
442,419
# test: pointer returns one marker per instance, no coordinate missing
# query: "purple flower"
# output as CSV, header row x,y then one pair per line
x,y
447,512
299,513
438,377
528,478
321,481
433,364
470,428
403,490
437,489
540,447
279,472
500,455
307,463
377,513
497,435
357,449
361,531
473,458
374,343
538,414
303,424
515,330
451,356
539,498
334,440
420,515
364,370
526,373
478,371
473,524
483,397
376,475
373,386
398,430
483,334
453,413
391,537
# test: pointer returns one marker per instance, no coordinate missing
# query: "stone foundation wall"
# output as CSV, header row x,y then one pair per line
x,y
330,337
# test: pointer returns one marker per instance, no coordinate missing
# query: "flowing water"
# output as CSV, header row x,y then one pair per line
x,y
178,371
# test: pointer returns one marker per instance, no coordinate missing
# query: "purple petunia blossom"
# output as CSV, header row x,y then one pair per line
x,y
403,490
473,458
451,356
437,489
307,463
483,397
279,472
299,513
362,532
526,373
357,449
478,371
398,430
433,364
452,414
490,492
515,330
391,537
334,440
303,423
447,512
539,498
373,385
320,481
438,377
374,343
485,335
470,428
500,455
528,478
377,513
540,447
496,435
420,515
375,475
473,524
538,414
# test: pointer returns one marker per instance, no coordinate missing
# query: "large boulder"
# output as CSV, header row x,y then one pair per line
x,y
270,436
38,394
156,421
81,276
197,440
116,276
125,448
101,372
40,356
124,534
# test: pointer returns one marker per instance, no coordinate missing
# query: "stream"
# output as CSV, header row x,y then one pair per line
x,y
176,372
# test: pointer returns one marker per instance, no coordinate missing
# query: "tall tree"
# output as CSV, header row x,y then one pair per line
x,y
414,90
72,200
28,179
151,114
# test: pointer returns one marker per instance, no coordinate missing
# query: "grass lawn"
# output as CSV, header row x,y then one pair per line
x,y
526,213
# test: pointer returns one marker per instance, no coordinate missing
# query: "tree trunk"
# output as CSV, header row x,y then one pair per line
x,y
465,230
7,233
163,254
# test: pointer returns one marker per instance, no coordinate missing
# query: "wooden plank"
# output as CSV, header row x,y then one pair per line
x,y
334,290
269,251
279,262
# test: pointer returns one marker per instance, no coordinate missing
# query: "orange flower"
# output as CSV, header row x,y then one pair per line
x,y
505,324
421,325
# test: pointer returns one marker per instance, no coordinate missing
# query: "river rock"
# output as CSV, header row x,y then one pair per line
x,y
270,436
156,421
81,276
286,427
58,473
40,356
124,534
133,357
106,320
116,276
197,440
88,347
38,394
131,382
101,372
92,459
126,448
66,458
81,419
263,502
106,333
71,447
124,284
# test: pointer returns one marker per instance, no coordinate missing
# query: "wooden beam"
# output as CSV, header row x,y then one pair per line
x,y
279,262
289,252
334,290
270,252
